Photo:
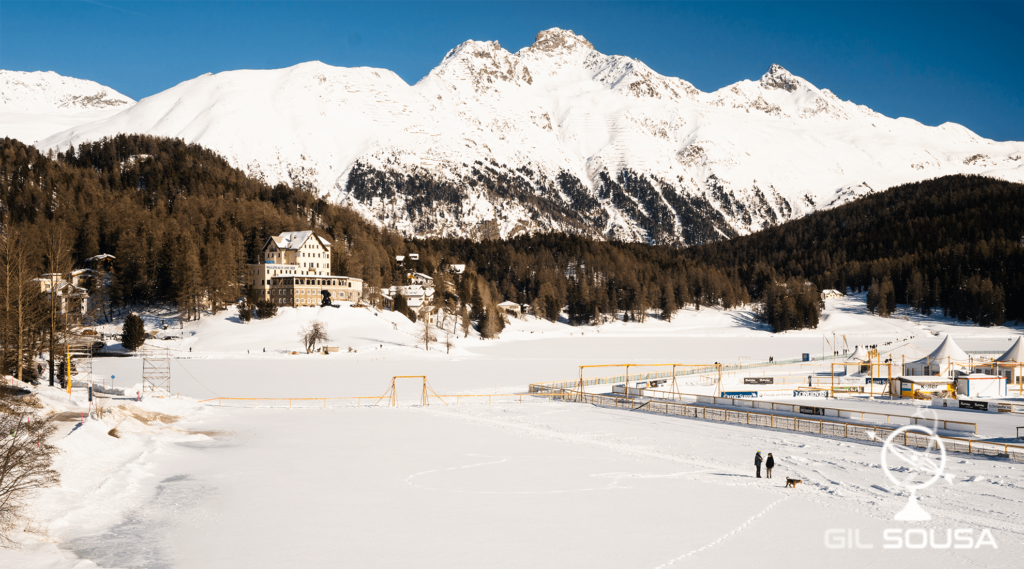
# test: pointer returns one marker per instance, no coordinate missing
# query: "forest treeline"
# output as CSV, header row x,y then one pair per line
x,y
183,224
952,244
180,221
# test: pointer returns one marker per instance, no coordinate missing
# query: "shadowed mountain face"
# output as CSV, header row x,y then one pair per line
x,y
554,137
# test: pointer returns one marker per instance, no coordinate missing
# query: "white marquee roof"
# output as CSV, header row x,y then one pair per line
x,y
1015,353
858,355
948,351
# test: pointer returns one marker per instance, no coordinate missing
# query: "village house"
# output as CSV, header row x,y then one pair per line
x,y
511,308
831,293
73,296
421,279
416,296
296,271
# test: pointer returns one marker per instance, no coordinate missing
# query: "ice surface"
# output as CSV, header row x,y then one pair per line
x,y
537,483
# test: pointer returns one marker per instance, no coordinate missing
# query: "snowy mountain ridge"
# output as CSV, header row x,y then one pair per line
x,y
556,136
41,91
37,104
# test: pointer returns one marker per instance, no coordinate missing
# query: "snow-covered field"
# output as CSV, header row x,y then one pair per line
x,y
537,483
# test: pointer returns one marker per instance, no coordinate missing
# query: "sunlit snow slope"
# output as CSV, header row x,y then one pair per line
x,y
36,105
556,136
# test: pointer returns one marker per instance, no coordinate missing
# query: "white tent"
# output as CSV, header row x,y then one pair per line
x,y
1015,353
1008,364
859,355
939,360
949,351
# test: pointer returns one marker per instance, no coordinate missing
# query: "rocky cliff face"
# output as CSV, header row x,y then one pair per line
x,y
556,136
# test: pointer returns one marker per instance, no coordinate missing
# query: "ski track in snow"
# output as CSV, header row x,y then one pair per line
x,y
735,531
831,493
614,476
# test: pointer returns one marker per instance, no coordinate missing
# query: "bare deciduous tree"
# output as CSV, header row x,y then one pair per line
x,y
448,341
312,334
26,460
58,268
426,330
21,305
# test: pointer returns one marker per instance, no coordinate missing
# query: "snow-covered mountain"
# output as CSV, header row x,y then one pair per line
x,y
36,105
556,136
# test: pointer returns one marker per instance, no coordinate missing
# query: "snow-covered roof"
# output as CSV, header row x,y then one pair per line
x,y
409,291
1015,353
100,257
509,304
423,276
858,355
294,240
948,350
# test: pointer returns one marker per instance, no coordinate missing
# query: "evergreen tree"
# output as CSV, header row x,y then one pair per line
x,y
668,302
464,320
133,333
266,309
399,304
245,310
476,302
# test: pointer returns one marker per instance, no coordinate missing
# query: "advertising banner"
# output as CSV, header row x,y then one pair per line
x,y
974,405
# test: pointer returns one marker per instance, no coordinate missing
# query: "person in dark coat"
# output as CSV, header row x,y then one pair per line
x,y
757,463
768,464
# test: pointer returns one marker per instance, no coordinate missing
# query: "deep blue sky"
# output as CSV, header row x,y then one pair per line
x,y
934,62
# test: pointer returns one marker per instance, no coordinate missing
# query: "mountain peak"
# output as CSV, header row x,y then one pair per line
x,y
46,91
778,78
558,39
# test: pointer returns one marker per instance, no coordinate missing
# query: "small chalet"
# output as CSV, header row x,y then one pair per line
x,y
511,308
831,293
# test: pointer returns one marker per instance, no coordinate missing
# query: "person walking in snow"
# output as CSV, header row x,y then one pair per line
x,y
757,463
769,463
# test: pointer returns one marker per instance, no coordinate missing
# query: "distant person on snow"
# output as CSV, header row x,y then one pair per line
x,y
757,463
769,463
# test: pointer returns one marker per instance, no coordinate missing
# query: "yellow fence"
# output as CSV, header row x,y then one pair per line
x,y
329,402
306,402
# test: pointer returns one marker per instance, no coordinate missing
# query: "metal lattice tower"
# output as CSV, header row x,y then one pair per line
x,y
156,372
79,352
83,365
